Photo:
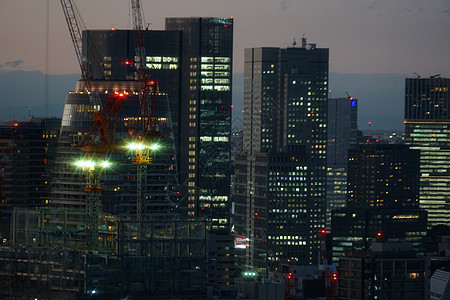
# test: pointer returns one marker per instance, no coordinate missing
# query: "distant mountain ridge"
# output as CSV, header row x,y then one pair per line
x,y
381,96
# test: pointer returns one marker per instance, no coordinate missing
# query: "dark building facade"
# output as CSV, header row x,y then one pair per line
x,y
27,152
388,271
205,116
281,174
427,128
342,134
382,200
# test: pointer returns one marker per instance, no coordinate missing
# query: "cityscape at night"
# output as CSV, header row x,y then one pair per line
x,y
200,149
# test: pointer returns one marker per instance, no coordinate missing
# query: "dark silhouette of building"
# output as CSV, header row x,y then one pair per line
x,y
382,200
27,156
342,133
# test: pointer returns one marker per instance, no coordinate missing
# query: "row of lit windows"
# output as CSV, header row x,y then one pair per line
x,y
161,59
162,66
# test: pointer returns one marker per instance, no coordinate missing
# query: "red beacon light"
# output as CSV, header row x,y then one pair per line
x,y
256,214
127,62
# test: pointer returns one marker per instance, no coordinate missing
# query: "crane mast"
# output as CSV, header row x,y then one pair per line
x,y
77,40
100,139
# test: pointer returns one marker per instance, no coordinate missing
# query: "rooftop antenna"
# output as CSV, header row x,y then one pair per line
x,y
147,25
418,76
304,41
436,75
294,43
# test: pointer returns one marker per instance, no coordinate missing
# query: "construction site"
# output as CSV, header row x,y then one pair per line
x,y
113,226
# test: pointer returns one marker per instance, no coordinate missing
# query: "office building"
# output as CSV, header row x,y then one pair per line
x,y
388,271
427,128
440,285
205,116
342,134
281,174
382,200
27,156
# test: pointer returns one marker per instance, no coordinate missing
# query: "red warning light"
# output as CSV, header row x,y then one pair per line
x,y
121,95
370,123
323,231
127,62
16,124
152,82
112,28
379,234
256,214
231,106
334,276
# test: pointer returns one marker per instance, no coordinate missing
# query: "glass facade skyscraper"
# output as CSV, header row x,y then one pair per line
x,y
427,128
205,116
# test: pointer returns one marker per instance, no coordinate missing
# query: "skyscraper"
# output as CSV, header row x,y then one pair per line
x,y
342,133
281,175
427,128
205,116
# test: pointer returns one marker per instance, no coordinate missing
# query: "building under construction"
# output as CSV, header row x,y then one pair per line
x,y
46,260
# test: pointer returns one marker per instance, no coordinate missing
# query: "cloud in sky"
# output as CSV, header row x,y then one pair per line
x,y
12,64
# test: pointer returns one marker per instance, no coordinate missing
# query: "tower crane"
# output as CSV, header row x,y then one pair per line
x,y
101,138
145,132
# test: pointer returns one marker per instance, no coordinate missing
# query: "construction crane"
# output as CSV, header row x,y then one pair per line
x,y
76,34
101,138
275,266
145,133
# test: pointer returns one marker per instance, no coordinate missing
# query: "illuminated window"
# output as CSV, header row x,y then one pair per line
x,y
193,80
107,58
207,80
192,109
191,191
207,67
207,59
193,67
191,167
192,160
192,74
205,138
192,116
173,66
170,59
193,59
154,66
191,146
192,139
193,88
222,59
191,175
191,184
207,87
192,124
222,67
153,59
191,152
221,88
207,73
192,102
221,81
190,213
221,74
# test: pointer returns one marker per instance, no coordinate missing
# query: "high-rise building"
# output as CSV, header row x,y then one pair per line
x,y
281,175
382,200
427,128
27,154
192,62
205,116
342,133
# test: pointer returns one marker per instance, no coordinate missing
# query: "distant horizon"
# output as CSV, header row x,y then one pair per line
x,y
380,96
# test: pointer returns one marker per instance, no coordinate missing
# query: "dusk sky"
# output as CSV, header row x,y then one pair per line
x,y
364,36
374,44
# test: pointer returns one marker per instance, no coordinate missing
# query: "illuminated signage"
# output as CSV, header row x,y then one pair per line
x,y
241,242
